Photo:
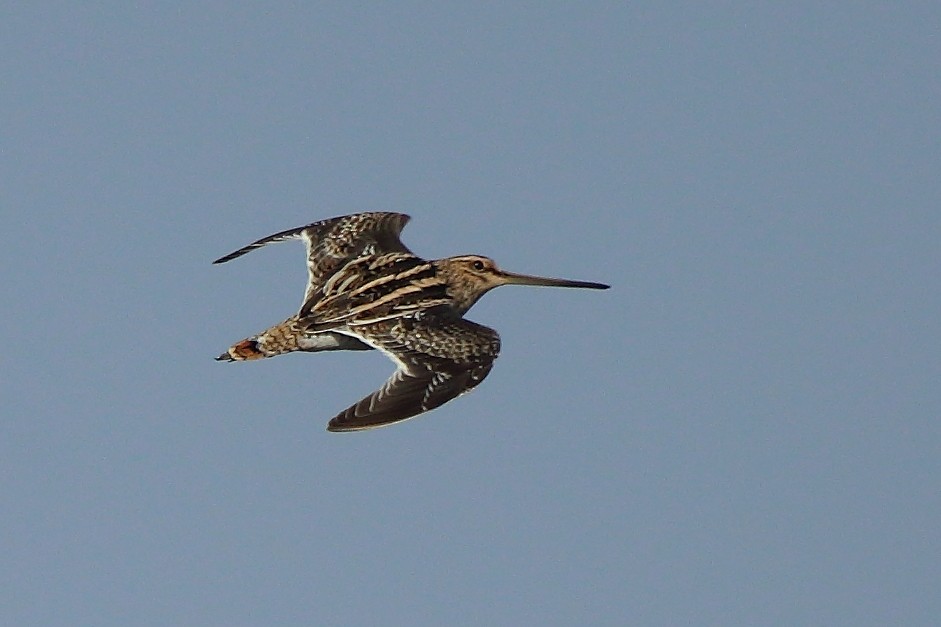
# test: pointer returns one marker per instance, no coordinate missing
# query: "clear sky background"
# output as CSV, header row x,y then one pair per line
x,y
744,430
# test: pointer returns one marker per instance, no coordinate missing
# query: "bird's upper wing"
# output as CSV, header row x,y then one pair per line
x,y
334,242
440,357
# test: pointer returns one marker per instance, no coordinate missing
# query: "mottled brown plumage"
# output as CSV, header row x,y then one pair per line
x,y
367,290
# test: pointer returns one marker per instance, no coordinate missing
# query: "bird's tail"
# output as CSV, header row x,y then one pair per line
x,y
287,337
279,339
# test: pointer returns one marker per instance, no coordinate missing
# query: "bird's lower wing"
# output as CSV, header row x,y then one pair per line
x,y
439,359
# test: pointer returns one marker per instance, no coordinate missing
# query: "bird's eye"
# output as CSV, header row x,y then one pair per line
x,y
478,265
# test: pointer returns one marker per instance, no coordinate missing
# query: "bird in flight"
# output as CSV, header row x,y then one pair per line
x,y
366,290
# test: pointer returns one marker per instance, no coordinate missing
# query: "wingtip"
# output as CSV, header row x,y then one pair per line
x,y
339,425
228,257
333,427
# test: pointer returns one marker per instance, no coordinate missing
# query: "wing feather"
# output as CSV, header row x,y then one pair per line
x,y
333,243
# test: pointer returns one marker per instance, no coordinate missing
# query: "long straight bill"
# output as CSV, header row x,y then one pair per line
x,y
512,278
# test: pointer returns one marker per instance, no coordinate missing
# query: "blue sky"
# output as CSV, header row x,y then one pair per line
x,y
743,430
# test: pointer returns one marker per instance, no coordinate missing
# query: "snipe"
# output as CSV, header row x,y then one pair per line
x,y
366,290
